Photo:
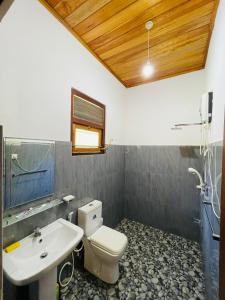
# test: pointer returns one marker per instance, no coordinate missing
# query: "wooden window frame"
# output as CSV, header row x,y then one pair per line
x,y
79,123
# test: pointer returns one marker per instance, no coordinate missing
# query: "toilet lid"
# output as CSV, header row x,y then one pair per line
x,y
109,240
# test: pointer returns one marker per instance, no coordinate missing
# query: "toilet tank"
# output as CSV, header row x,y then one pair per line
x,y
90,217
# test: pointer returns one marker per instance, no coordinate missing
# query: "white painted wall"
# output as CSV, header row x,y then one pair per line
x,y
215,73
39,63
152,109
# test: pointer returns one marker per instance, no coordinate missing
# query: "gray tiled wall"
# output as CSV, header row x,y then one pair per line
x,y
149,184
158,189
210,246
95,176
87,177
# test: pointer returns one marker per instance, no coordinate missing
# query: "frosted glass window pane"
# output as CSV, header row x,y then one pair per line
x,y
87,138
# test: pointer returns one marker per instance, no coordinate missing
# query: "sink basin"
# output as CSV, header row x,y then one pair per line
x,y
37,256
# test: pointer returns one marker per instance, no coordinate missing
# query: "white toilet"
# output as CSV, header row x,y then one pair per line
x,y
103,246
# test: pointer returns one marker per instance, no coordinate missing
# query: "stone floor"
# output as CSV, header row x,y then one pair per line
x,y
156,265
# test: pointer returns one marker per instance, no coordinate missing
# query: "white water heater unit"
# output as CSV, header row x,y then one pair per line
x,y
206,108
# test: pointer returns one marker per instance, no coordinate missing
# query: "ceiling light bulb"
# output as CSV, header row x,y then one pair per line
x,y
148,69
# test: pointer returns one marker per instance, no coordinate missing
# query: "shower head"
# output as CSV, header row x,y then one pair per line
x,y
192,170
195,172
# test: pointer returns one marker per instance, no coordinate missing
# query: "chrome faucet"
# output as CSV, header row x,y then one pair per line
x,y
37,232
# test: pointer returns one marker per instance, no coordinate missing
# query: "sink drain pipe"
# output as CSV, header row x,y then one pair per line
x,y
69,264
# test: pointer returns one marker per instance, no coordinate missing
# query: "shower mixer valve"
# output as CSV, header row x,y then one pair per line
x,y
203,187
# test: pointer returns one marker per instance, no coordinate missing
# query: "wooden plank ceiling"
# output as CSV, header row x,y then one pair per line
x,y
114,31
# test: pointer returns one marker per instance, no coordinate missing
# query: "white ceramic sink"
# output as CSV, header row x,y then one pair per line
x,y
25,264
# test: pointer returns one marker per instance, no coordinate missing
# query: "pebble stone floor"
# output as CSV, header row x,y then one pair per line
x,y
156,265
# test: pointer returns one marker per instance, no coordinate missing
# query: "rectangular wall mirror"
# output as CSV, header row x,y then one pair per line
x,y
29,170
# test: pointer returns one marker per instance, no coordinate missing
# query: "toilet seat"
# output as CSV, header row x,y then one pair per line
x,y
109,240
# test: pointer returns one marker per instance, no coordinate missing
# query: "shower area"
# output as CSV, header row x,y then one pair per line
x,y
209,178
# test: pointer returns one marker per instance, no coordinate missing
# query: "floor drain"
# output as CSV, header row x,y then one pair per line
x,y
44,254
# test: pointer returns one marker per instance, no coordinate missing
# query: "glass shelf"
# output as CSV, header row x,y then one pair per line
x,y
31,211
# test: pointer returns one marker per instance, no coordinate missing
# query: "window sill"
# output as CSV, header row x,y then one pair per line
x,y
88,153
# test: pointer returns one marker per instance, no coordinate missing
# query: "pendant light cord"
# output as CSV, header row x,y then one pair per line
x,y
148,46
